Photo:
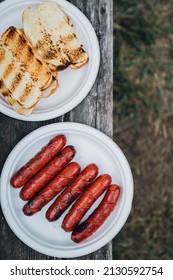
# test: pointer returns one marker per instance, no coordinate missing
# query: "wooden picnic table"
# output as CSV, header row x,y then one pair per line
x,y
96,110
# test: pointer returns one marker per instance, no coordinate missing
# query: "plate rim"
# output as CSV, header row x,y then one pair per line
x,y
67,107
75,252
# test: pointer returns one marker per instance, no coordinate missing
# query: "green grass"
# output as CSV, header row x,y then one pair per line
x,y
143,86
138,83
152,238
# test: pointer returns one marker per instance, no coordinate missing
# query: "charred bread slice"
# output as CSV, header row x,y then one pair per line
x,y
48,29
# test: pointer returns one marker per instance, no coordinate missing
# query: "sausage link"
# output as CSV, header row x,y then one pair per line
x,y
85,201
98,217
47,153
47,173
52,189
72,192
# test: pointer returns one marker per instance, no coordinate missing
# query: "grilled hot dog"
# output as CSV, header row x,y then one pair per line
x,y
38,161
52,189
85,201
72,192
98,217
47,173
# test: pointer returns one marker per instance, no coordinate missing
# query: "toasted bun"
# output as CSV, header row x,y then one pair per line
x,y
51,89
48,29
24,52
17,80
6,94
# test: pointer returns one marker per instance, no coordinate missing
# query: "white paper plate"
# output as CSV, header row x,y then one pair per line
x,y
92,147
74,85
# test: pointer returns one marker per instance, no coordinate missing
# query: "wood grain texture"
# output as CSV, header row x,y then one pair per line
x,y
96,110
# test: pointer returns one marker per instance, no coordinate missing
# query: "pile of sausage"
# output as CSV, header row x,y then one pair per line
x,y
51,172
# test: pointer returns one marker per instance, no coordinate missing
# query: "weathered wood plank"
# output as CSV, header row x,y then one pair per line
x,y
96,110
